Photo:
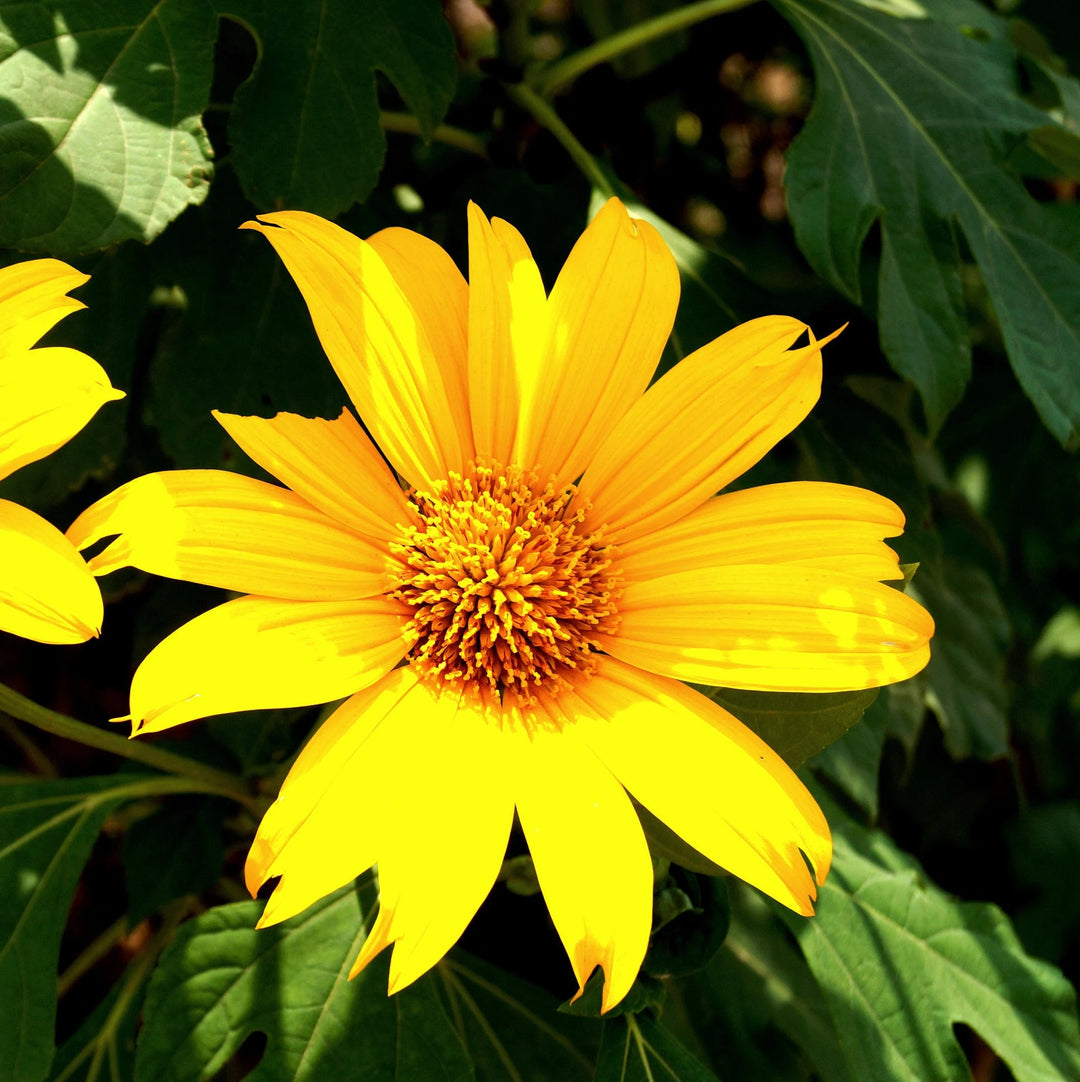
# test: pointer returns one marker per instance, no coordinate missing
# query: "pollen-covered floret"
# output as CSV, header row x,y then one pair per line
x,y
508,592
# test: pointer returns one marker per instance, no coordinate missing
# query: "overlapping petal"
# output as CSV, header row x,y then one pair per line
x,y
47,395
708,777
223,529
331,464
587,844
33,299
430,882
808,523
376,342
610,313
258,653
507,325
772,628
47,592
701,425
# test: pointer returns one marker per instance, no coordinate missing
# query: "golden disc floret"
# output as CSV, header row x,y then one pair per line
x,y
507,590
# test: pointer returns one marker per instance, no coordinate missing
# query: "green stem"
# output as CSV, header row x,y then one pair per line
x,y
566,71
92,955
546,116
407,124
210,779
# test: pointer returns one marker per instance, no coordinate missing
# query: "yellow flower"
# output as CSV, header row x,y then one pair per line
x,y
47,592
511,637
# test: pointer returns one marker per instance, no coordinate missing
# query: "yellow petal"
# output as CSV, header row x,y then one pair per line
x,y
772,628
590,854
703,424
375,341
507,323
222,529
258,653
324,827
809,523
33,300
331,464
439,296
46,590
610,313
709,778
46,396
445,831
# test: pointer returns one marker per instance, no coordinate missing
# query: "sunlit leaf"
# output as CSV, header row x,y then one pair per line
x,y
46,831
884,935
912,127
100,131
221,981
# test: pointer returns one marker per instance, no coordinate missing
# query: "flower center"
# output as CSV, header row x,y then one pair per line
x,y
507,590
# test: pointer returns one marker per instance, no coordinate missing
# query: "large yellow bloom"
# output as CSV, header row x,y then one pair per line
x,y
47,395
508,638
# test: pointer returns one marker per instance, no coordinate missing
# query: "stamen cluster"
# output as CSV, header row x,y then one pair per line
x,y
507,591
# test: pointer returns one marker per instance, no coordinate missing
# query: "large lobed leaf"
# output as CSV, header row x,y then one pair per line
x,y
912,127
883,936
221,980
100,132
46,831
305,127
101,103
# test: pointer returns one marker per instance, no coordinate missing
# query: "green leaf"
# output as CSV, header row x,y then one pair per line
x,y
106,1036
901,963
100,136
964,681
241,342
912,127
758,985
46,831
637,1048
305,127
692,914
510,1028
854,761
221,980
175,851
796,725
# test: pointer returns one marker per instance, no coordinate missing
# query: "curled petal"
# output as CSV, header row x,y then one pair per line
x,y
47,592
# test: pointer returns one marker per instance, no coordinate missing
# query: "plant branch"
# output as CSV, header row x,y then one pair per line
x,y
546,116
554,78
49,721
407,124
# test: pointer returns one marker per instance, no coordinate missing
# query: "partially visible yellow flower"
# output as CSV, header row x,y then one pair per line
x,y
512,622
47,395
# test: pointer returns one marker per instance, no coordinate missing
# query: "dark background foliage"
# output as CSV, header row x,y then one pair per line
x,y
929,200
